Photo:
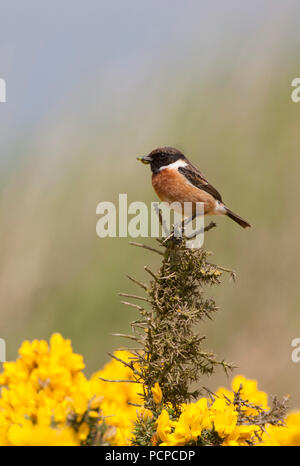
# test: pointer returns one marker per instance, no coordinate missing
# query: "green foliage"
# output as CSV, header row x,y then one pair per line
x,y
172,352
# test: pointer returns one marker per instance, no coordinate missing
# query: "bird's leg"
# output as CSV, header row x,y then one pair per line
x,y
207,228
161,220
210,226
189,220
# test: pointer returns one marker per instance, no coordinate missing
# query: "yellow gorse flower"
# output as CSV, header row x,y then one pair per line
x,y
221,417
46,397
157,393
116,397
249,392
40,435
288,435
47,400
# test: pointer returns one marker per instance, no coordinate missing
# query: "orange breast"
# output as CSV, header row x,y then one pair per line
x,y
171,186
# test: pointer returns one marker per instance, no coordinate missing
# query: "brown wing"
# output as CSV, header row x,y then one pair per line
x,y
193,175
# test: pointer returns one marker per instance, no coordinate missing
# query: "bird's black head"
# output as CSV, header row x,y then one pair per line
x,y
162,157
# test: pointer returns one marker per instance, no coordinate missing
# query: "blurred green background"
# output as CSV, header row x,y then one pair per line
x,y
90,86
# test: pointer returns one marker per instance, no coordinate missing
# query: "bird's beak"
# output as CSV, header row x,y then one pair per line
x,y
145,159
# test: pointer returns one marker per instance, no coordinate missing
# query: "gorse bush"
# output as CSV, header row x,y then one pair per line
x,y
47,400
152,394
173,359
172,352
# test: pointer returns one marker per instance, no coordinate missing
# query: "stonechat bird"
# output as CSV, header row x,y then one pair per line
x,y
175,179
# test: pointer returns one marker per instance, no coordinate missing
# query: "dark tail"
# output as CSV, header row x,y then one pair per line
x,y
237,218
